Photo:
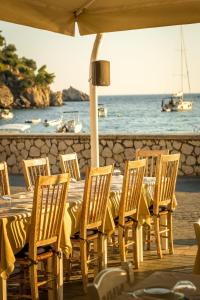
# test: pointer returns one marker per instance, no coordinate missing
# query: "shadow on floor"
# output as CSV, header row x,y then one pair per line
x,y
188,184
187,242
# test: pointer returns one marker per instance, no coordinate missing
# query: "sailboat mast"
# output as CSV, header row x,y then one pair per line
x,y
186,63
181,58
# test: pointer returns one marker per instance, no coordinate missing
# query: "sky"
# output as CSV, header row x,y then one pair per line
x,y
145,61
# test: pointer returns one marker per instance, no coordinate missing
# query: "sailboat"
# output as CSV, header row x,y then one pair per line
x,y
176,101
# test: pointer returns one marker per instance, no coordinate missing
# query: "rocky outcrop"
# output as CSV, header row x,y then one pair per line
x,y
6,97
72,94
38,96
56,99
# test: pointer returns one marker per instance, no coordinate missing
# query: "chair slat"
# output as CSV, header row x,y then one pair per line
x,y
69,164
4,180
32,168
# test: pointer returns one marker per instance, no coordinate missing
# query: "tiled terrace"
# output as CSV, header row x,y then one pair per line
x,y
187,212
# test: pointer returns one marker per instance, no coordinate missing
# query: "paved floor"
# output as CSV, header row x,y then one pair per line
x,y
187,212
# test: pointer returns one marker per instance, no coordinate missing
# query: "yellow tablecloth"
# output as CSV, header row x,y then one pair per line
x,y
15,220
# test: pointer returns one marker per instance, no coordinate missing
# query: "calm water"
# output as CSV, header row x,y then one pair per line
x,y
126,114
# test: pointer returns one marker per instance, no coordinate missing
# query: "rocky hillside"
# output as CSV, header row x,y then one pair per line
x,y
23,85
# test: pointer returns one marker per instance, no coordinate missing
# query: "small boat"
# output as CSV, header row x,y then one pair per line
x,y
6,114
176,101
73,125
33,121
102,111
55,122
14,128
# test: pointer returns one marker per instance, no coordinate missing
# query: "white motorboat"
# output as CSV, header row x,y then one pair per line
x,y
6,114
55,122
176,101
102,111
33,121
72,125
14,128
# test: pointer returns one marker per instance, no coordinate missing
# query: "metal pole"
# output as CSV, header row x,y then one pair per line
x,y
94,132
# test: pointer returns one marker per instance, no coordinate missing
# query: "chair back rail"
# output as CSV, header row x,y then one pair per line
x,y
4,180
152,159
32,168
166,181
69,164
50,196
95,199
131,189
110,283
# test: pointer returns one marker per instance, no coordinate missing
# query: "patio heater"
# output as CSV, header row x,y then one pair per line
x,y
99,76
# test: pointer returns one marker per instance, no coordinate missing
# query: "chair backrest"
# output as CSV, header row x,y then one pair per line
x,y
4,181
166,181
32,168
110,283
69,164
152,159
50,196
95,199
131,189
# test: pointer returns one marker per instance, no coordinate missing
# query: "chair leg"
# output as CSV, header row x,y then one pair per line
x,y
121,237
135,247
157,235
84,266
33,281
170,233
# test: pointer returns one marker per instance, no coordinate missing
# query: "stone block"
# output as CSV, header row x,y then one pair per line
x,y
87,146
55,169
118,148
5,142
128,143
3,156
129,154
24,153
54,150
54,141
28,144
39,143
14,170
78,147
101,161
190,161
69,142
138,144
7,149
86,153
34,152
11,161
20,146
52,159
177,145
162,143
118,158
195,143
103,142
44,149
109,161
106,152
13,148
1,148
62,146
197,150
188,170
48,143
110,144
186,149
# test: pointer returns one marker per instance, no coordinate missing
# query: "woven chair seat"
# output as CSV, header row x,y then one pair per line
x,y
90,233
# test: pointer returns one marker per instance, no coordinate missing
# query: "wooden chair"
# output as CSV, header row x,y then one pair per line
x,y
196,268
32,168
129,207
152,159
4,180
69,164
94,209
111,282
49,202
163,201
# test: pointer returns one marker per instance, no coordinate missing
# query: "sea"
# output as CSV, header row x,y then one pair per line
x,y
126,114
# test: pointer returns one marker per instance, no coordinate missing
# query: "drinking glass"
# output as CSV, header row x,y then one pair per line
x,y
185,287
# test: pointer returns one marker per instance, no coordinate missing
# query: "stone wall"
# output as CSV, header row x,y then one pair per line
x,y
113,149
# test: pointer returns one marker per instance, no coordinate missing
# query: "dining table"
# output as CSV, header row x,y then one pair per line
x,y
164,281
15,215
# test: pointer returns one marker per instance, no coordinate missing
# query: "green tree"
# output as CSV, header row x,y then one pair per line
x,y
43,77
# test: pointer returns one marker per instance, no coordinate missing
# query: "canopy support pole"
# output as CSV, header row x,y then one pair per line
x,y
94,132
